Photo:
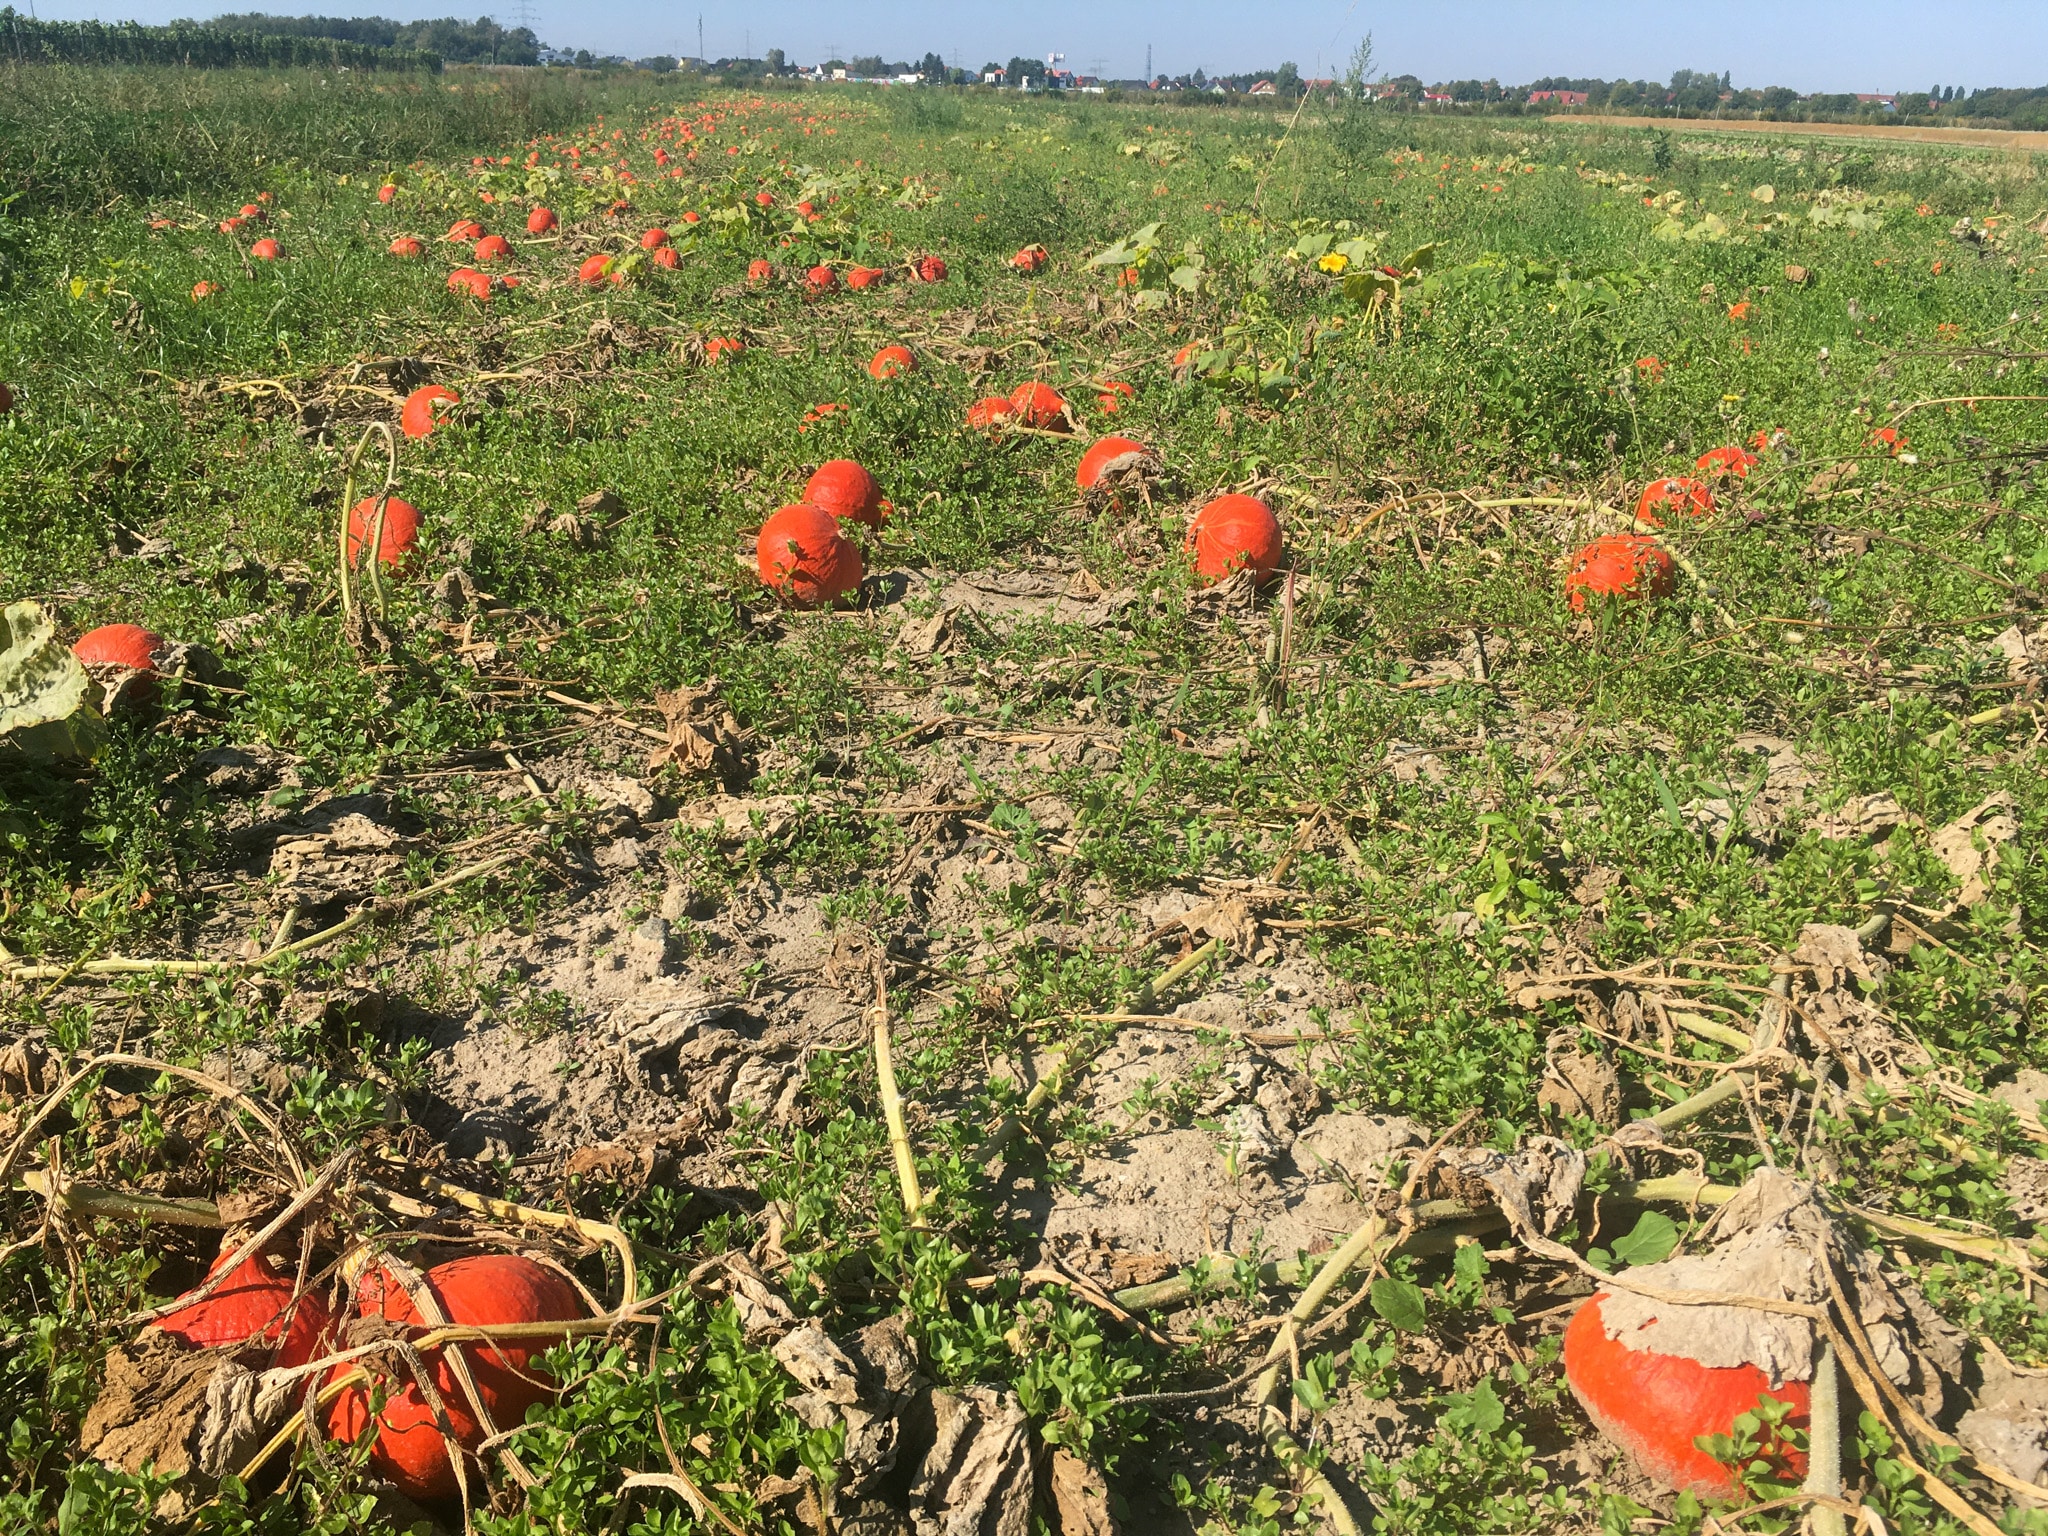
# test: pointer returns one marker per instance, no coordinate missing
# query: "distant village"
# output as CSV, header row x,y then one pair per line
x,y
1688,93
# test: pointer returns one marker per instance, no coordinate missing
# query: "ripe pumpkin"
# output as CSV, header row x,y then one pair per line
x,y
541,221
1102,454
989,412
595,269
865,277
253,211
252,1305
464,230
407,246
200,290
1619,565
386,192
1040,405
470,281
419,416
666,258
1680,493
802,554
890,361
1730,462
401,529
1031,259
266,249
719,348
1111,396
847,491
229,226
929,269
478,1291
1234,533
821,279
654,239
759,270
119,645
493,248
1653,1405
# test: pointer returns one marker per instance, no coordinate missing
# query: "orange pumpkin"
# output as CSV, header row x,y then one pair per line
x,y
1619,565
1234,533
802,554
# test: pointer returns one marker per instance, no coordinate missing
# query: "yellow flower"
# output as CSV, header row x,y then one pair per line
x,y
1334,263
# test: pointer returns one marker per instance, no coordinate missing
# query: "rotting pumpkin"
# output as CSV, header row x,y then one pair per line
x,y
1680,493
1233,533
846,490
422,410
1108,454
1619,565
802,555
479,1291
401,529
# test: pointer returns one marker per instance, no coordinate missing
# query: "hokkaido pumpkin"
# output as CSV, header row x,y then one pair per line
x,y
1105,452
929,269
493,248
821,279
719,348
541,221
653,239
666,258
595,269
422,411
1654,1405
1040,405
254,211
1674,493
1234,533
478,1291
253,1305
407,246
864,277
759,270
200,290
266,249
119,645
386,192
847,491
1111,396
464,230
802,554
1731,462
401,529
470,281
890,361
1619,565
989,412
1031,259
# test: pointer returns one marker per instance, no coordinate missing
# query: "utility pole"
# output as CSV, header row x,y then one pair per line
x,y
700,34
1148,63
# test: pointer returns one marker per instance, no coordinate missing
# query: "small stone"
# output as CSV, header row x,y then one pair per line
x,y
649,943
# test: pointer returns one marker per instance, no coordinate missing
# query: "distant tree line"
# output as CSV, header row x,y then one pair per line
x,y
481,41
29,41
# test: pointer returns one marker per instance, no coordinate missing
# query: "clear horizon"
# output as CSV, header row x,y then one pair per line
x,y
1820,46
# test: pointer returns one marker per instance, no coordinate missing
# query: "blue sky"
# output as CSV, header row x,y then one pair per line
x,y
1813,45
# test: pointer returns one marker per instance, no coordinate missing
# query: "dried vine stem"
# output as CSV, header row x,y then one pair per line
x,y
1054,1082
892,1101
348,501
121,966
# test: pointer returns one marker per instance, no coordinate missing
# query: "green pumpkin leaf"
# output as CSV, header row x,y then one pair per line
x,y
1401,1304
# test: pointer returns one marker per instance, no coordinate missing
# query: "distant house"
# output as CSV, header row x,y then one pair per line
x,y
1436,98
1325,86
1878,99
1263,88
993,77
1558,98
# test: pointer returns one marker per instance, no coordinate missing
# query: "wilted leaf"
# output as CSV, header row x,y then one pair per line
x,y
44,691
1765,193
